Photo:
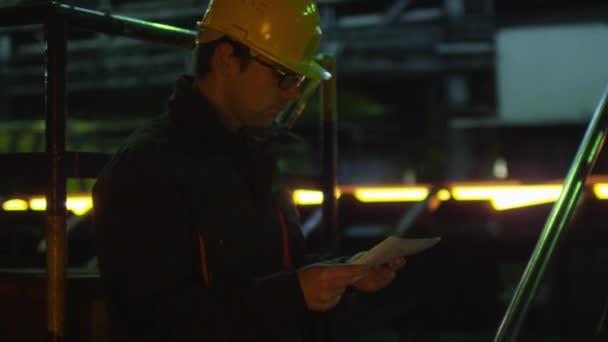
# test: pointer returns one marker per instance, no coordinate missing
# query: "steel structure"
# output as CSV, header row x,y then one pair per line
x,y
56,18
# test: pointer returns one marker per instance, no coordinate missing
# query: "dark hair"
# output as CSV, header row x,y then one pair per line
x,y
203,53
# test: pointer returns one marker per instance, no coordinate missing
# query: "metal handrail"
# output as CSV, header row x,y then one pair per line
x,y
411,215
39,12
57,18
560,215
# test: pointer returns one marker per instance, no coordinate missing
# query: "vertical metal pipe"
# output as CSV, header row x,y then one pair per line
x,y
329,156
55,106
548,242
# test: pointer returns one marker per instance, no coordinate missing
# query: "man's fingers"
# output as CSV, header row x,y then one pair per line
x,y
383,273
342,275
345,271
324,284
335,287
330,295
397,263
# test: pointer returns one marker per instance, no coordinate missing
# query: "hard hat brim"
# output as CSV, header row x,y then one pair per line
x,y
206,35
317,72
313,70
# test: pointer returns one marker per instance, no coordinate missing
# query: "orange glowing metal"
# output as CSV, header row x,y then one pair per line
x,y
393,194
78,204
15,205
601,190
505,197
502,197
310,197
444,195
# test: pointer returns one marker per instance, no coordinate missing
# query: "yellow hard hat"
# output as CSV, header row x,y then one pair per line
x,y
285,31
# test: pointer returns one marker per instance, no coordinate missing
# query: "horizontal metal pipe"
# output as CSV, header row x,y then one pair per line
x,y
29,13
127,27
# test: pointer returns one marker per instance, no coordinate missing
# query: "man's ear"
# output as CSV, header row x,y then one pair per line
x,y
225,61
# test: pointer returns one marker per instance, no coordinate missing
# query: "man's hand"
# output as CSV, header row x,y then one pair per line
x,y
323,285
380,276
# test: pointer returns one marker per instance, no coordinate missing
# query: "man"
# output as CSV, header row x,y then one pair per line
x,y
196,239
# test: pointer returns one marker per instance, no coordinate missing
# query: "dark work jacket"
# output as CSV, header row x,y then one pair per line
x,y
195,240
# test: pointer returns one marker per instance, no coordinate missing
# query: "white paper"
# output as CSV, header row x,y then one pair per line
x,y
393,247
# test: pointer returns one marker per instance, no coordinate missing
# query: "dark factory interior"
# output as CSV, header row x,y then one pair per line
x,y
480,122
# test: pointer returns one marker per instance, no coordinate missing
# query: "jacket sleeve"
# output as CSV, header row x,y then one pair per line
x,y
146,252
324,326
297,240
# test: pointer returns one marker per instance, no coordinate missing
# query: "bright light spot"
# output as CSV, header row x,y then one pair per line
x,y
310,197
500,168
444,195
601,190
310,9
307,197
79,205
407,194
509,196
38,203
15,205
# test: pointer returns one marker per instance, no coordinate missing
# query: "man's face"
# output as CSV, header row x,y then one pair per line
x,y
256,96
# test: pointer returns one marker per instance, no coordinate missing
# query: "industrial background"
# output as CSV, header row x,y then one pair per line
x,y
471,111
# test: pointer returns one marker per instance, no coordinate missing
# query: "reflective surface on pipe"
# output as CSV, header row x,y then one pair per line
x,y
558,218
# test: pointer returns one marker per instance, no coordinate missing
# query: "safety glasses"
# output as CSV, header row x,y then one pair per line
x,y
287,80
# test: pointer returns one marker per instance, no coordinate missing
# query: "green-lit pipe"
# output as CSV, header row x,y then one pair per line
x,y
561,213
38,12
127,27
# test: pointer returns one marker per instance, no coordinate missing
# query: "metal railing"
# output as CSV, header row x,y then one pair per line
x,y
559,217
56,18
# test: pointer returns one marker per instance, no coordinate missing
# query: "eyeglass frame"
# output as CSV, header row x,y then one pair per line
x,y
286,79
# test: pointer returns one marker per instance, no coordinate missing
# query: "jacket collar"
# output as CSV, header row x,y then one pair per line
x,y
200,122
195,117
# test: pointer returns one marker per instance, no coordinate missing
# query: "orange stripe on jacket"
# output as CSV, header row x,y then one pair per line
x,y
287,262
204,269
